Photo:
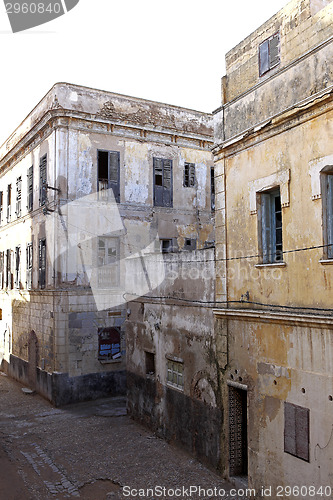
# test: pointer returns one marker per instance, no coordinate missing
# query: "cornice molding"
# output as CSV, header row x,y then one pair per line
x,y
278,317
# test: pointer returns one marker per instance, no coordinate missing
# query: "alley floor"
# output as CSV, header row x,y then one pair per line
x,y
91,451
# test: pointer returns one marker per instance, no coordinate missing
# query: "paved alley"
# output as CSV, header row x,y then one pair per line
x,y
90,451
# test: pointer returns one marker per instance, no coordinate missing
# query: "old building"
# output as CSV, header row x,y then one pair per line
x,y
95,189
274,237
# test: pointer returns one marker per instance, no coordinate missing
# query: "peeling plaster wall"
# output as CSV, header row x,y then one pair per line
x,y
70,124
185,331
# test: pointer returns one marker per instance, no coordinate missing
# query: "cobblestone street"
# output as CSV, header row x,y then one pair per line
x,y
90,451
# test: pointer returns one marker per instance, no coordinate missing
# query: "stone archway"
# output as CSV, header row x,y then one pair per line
x,y
32,359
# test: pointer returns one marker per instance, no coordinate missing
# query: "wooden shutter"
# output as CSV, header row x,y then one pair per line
x,y
296,430
266,228
329,215
30,182
263,57
2,270
1,206
18,196
42,263
9,201
274,50
42,180
114,173
158,182
29,265
167,183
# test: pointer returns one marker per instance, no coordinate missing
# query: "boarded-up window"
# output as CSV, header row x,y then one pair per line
x,y
297,431
42,263
108,174
162,182
269,54
43,180
18,196
30,181
29,266
109,345
271,227
189,175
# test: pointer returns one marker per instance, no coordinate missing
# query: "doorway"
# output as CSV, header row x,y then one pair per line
x,y
238,450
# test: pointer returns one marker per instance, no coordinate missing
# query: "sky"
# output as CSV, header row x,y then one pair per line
x,y
168,51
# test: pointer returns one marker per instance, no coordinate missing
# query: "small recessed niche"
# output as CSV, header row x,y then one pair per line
x,y
236,371
231,376
240,379
303,390
275,382
330,398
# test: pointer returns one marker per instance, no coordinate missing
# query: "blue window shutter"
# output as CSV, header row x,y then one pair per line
x,y
266,227
263,57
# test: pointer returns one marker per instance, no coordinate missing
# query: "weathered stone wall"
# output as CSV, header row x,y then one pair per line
x,y
302,24
177,323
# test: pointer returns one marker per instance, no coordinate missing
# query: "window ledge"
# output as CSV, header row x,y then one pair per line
x,y
326,262
110,361
272,264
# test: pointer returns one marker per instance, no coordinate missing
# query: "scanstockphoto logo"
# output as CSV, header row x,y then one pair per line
x,y
24,14
89,244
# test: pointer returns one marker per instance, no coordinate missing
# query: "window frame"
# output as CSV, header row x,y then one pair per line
x,y
9,202
327,208
111,184
189,180
18,210
43,180
42,263
30,188
17,276
114,266
269,50
163,195
270,245
29,265
173,372
110,356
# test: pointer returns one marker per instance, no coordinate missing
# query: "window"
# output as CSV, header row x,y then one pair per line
x,y
166,246
42,263
18,196
108,262
108,174
30,184
162,182
150,363
175,374
212,190
238,435
296,431
9,276
29,266
43,180
269,54
327,180
17,279
190,244
109,345
271,227
189,175
2,269
9,202
1,207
